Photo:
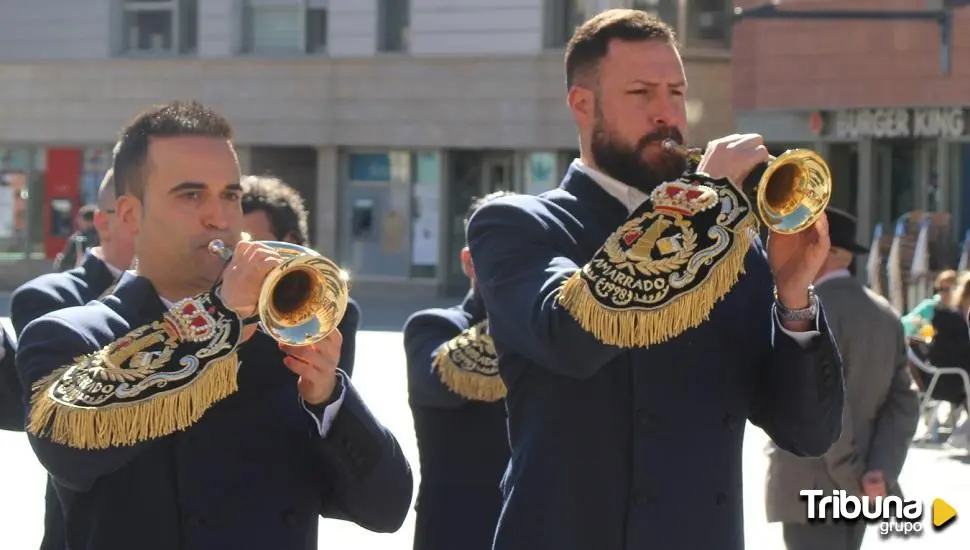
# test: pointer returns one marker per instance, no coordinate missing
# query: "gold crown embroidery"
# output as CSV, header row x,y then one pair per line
x,y
663,271
157,379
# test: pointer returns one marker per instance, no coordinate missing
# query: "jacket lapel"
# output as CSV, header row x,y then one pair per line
x,y
95,274
600,213
136,300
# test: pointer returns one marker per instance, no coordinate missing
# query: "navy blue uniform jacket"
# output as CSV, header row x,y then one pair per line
x,y
11,409
253,472
348,327
463,445
633,449
32,300
40,296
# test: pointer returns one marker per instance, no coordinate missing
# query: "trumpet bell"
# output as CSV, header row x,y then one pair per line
x,y
793,191
303,299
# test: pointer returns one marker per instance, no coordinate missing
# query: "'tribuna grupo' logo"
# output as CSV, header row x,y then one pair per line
x,y
894,515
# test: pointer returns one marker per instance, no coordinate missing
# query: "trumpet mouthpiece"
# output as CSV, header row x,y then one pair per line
x,y
693,155
674,147
217,247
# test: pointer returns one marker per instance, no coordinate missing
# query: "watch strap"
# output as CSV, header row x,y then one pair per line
x,y
809,313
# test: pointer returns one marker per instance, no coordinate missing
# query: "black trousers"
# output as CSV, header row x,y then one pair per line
x,y
823,536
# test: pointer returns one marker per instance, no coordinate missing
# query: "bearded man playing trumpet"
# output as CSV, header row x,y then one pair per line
x,y
164,418
639,322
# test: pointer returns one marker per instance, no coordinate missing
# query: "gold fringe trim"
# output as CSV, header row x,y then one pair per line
x,y
119,426
643,328
470,385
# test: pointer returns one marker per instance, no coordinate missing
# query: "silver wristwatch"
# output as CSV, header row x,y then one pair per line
x,y
804,314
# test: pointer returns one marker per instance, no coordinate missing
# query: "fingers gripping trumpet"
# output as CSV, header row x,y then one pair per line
x,y
303,299
790,191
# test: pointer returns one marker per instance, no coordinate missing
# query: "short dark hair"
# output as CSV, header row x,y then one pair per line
x,y
591,41
173,119
282,204
479,202
86,212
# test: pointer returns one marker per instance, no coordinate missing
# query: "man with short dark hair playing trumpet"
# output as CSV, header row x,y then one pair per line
x,y
165,420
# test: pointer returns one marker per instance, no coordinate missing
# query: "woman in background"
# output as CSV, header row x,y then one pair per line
x,y
950,347
922,314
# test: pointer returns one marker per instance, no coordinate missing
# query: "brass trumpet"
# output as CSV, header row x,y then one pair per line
x,y
791,191
303,299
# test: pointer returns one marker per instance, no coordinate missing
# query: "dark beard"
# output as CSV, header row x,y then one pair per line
x,y
625,164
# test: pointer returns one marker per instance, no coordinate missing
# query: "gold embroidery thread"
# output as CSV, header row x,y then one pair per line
x,y
157,379
468,365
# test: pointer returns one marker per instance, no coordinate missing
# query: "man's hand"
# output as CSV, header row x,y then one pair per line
x,y
316,366
874,484
241,280
733,157
795,261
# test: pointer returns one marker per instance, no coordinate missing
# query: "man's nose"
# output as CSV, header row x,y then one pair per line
x,y
664,112
214,214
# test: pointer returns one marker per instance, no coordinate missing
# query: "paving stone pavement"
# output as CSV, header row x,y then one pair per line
x,y
380,377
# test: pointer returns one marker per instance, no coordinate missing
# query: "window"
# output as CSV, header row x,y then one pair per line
x,y
562,18
540,174
394,25
286,26
316,29
666,10
160,26
709,23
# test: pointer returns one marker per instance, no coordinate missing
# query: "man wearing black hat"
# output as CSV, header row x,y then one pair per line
x,y
880,414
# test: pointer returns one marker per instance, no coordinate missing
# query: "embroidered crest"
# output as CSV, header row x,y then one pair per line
x,y
151,382
663,271
468,365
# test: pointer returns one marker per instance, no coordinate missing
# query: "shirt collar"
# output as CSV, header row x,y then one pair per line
x,y
631,197
837,274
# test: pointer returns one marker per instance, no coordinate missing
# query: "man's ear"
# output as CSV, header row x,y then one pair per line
x,y
466,263
129,211
582,104
101,222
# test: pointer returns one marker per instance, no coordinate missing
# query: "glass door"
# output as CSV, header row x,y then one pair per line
x,y
498,173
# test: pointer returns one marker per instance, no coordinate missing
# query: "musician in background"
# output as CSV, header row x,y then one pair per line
x,y
101,267
638,323
881,408
457,401
274,211
196,431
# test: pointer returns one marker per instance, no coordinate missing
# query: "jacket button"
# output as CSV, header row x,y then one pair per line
x,y
728,420
289,518
721,498
194,521
641,498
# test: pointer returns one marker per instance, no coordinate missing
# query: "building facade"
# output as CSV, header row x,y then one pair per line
x,y
388,115
870,96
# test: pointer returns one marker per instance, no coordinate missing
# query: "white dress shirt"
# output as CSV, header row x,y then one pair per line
x,y
324,421
632,198
835,274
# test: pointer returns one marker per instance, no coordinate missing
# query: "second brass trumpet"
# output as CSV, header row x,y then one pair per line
x,y
303,299
790,191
